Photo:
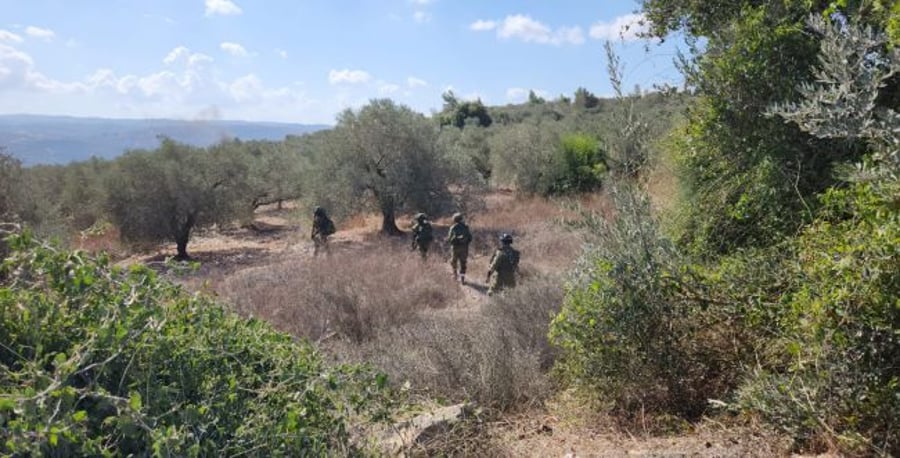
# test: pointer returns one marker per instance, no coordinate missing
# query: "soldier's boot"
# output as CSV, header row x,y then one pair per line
x,y
462,279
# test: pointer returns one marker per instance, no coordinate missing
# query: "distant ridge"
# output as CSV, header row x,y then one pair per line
x,y
39,139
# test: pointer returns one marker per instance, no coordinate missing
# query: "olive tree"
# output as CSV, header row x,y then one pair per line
x,y
166,193
386,156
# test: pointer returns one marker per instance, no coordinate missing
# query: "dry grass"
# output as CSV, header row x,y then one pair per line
x,y
353,294
374,301
498,356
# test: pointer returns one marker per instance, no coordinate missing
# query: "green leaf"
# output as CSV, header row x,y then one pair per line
x,y
135,401
79,416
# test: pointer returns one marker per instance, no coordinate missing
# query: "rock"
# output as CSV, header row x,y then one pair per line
x,y
401,436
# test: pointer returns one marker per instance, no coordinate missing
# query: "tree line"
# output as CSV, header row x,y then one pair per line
x,y
383,157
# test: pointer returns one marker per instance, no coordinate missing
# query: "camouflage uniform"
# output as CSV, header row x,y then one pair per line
x,y
459,238
505,264
322,227
422,235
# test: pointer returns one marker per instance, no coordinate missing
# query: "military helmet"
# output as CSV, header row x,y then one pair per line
x,y
319,211
457,217
421,216
506,239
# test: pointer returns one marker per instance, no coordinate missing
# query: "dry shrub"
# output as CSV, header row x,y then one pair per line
x,y
100,238
352,294
497,358
470,437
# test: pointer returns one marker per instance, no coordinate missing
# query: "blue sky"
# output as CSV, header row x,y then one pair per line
x,y
305,61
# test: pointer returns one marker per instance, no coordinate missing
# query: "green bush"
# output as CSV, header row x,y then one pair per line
x,y
97,360
636,326
582,164
842,386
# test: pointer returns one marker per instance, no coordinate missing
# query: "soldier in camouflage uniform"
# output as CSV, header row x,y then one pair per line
x,y
322,227
505,264
422,235
459,238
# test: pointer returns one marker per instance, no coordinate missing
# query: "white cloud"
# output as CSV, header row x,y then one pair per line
x,y
198,59
626,27
161,84
412,81
481,25
183,54
15,66
223,7
10,37
572,35
247,88
234,49
281,53
516,94
174,92
387,88
37,32
421,17
17,71
526,29
348,76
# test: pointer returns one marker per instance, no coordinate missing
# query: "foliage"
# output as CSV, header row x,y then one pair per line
x,y
102,361
166,193
469,146
583,164
10,186
585,99
839,389
458,114
633,327
387,156
748,180
841,385
274,170
523,155
855,65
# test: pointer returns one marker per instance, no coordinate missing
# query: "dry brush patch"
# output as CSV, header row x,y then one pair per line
x,y
373,301
352,294
498,356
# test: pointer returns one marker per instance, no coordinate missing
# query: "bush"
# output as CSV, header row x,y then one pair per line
x,y
637,326
98,360
841,387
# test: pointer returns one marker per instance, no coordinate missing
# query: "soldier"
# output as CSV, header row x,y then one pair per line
x,y
322,227
459,238
422,235
505,263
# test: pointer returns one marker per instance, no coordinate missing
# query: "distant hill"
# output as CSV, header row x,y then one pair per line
x,y
60,139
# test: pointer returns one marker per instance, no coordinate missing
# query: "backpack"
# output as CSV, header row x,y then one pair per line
x,y
513,256
510,260
461,235
328,226
424,232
